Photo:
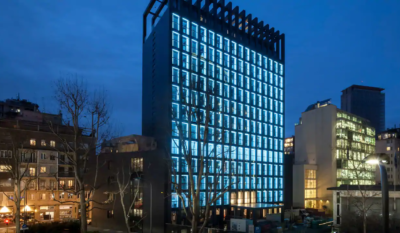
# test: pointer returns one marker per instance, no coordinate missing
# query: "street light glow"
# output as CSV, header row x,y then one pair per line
x,y
372,161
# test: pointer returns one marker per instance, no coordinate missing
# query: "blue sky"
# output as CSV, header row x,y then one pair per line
x,y
330,45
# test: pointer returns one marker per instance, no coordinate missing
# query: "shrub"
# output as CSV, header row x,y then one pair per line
x,y
55,227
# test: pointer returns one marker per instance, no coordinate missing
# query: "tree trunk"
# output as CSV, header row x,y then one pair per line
x,y
126,215
83,211
17,217
127,224
194,224
365,222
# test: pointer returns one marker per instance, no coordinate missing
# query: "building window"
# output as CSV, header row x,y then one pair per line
x,y
175,57
110,214
43,142
33,142
137,164
52,143
42,169
175,22
185,26
310,183
70,183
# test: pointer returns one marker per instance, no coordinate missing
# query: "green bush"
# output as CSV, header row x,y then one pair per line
x,y
55,227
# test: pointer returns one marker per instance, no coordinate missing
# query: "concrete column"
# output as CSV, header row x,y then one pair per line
x,y
57,213
37,213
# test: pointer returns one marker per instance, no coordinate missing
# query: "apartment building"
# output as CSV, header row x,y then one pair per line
x,y
135,159
27,142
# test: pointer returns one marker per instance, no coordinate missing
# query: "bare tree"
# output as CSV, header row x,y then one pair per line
x,y
15,161
203,111
86,117
127,179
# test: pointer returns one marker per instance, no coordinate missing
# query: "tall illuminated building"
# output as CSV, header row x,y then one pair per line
x,y
241,61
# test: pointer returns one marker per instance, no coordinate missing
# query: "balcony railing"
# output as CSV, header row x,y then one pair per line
x,y
47,187
64,162
28,160
66,174
65,187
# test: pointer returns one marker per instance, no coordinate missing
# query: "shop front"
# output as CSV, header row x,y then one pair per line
x,y
66,212
6,212
46,213
28,213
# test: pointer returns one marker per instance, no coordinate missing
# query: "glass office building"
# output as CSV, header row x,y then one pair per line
x,y
212,55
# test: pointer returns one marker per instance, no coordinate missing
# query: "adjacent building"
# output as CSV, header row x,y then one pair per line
x,y
213,55
366,102
388,142
330,146
347,199
289,147
49,172
133,161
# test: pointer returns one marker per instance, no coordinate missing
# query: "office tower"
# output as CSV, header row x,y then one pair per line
x,y
330,147
366,102
240,61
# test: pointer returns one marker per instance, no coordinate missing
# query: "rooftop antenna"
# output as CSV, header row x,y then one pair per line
x,y
18,96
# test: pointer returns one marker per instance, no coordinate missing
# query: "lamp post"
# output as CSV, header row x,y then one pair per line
x,y
380,160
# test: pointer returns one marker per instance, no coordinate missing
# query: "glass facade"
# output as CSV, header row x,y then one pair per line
x,y
354,141
247,109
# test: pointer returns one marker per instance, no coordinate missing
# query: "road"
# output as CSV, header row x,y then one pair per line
x,y
5,229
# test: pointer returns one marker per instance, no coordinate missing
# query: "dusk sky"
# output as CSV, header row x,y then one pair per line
x,y
330,45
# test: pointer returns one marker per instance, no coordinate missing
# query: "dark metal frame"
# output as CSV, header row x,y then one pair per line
x,y
236,22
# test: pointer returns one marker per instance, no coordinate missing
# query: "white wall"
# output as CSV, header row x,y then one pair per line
x,y
315,145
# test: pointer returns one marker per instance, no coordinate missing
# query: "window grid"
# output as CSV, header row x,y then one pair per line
x,y
224,65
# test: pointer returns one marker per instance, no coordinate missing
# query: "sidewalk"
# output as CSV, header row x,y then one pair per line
x,y
90,228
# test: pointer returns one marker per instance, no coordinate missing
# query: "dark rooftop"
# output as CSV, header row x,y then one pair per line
x,y
364,88
317,104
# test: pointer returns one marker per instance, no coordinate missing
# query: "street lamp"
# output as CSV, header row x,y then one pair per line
x,y
380,160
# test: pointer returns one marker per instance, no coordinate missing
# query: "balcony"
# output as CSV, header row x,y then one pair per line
x,y
65,187
63,162
46,187
28,160
66,174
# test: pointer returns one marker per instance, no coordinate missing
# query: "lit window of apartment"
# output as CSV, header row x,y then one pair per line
x,y
52,143
62,183
4,168
110,214
32,171
310,184
43,142
388,148
42,169
33,142
70,183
